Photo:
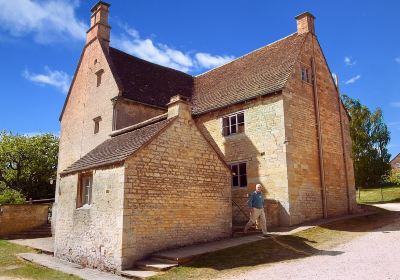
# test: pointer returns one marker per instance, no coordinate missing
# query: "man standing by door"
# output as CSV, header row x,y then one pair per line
x,y
256,205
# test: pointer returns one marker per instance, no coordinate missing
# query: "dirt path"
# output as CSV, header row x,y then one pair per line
x,y
375,255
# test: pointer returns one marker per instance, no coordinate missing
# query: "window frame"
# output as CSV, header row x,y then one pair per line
x,y
233,125
99,75
96,127
240,176
84,191
305,72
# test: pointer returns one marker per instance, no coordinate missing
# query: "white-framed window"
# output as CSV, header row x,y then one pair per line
x,y
233,124
84,193
306,73
239,174
398,165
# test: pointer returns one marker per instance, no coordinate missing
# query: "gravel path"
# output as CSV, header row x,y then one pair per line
x,y
375,255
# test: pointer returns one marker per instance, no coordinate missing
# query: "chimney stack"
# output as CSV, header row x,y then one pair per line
x,y
179,106
305,23
99,27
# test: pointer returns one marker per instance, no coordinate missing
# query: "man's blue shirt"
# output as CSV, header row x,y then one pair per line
x,y
256,200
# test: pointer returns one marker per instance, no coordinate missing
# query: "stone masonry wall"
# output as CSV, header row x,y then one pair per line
x,y
177,192
262,146
21,217
301,130
91,235
130,113
395,163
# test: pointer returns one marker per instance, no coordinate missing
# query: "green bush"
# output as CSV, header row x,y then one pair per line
x,y
10,196
393,178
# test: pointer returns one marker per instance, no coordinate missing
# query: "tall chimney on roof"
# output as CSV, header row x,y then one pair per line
x,y
99,27
305,23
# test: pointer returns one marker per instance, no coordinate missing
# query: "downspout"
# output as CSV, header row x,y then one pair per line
x,y
319,136
349,208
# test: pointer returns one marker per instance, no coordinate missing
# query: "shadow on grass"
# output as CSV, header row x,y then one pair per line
x,y
265,251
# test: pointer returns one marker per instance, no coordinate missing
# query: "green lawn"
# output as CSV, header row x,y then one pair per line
x,y
15,268
379,195
319,240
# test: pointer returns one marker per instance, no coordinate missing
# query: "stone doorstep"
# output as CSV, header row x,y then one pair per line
x,y
138,274
156,265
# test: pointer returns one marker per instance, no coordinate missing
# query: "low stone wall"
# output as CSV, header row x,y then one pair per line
x,y
21,217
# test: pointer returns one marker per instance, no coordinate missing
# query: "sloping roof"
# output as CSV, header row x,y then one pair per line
x,y
147,82
118,148
260,72
395,158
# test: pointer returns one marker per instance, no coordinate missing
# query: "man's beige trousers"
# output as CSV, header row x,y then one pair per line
x,y
255,214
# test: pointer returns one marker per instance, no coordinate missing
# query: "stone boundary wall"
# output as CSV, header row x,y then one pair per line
x,y
20,217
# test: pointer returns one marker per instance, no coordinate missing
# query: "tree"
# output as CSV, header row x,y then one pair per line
x,y
370,137
28,163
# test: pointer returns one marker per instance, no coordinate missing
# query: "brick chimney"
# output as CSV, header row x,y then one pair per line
x,y
179,106
305,23
99,27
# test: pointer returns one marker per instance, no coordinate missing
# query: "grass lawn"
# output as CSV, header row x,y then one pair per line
x,y
319,240
12,267
379,195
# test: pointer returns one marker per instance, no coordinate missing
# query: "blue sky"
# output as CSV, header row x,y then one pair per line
x,y
40,44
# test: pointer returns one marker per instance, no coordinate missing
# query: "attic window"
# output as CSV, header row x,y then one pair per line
x,y
96,125
233,124
98,75
306,73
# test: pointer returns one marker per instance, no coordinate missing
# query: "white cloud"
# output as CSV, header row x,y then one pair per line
x,y
57,79
353,80
207,60
46,20
395,104
349,61
131,42
397,59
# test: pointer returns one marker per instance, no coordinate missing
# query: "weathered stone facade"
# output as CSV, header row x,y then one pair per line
x,y
395,163
163,180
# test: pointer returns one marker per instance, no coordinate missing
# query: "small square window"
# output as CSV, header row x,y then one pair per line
x,y
96,121
239,174
233,124
84,193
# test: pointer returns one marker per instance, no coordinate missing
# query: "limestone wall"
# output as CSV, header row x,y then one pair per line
x,y
262,146
177,192
21,217
301,130
129,113
91,236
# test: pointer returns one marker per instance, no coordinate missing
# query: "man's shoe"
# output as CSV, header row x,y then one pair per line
x,y
266,235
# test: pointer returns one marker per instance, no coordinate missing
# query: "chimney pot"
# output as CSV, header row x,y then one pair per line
x,y
305,23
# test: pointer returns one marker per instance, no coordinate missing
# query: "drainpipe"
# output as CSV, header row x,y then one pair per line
x,y
319,136
349,208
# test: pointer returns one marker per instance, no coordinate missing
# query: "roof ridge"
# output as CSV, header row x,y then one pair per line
x,y
142,124
249,53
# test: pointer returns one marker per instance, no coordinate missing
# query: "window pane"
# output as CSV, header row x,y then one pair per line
x,y
233,129
242,169
234,169
225,131
240,118
233,120
241,128
225,121
235,181
243,181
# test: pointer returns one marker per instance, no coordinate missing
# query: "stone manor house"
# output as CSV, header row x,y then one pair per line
x,y
153,158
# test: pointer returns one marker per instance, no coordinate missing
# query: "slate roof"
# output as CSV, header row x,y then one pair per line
x,y
147,82
118,148
260,72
